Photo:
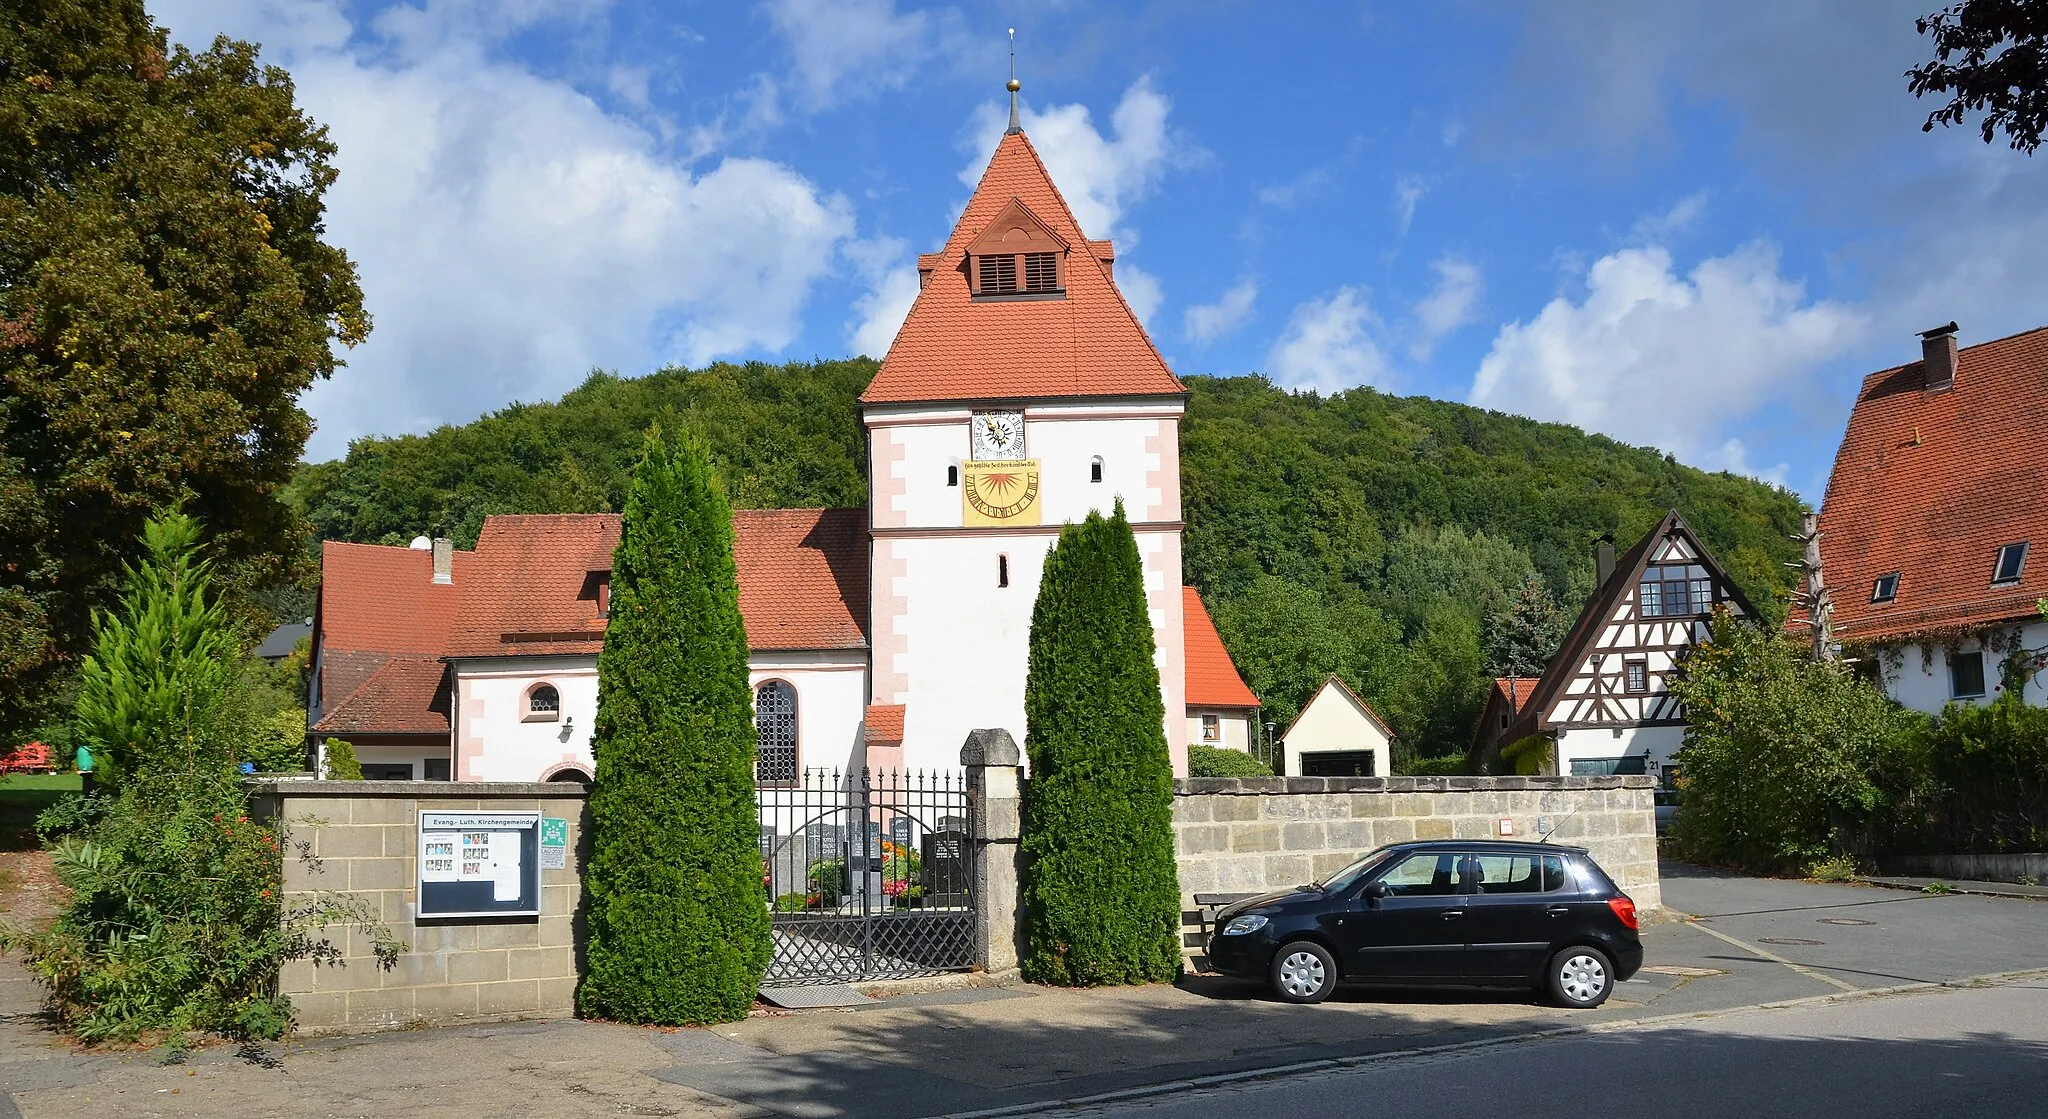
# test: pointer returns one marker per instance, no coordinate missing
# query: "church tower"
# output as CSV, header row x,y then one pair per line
x,y
1020,394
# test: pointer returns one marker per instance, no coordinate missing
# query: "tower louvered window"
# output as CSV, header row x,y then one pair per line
x,y
998,275
1041,272
775,726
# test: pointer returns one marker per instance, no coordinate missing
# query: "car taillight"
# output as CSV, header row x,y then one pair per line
x,y
1624,910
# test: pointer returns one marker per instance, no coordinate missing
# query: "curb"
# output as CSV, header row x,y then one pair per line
x,y
1975,889
1334,1064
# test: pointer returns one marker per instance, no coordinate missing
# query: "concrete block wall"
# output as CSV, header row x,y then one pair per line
x,y
364,838
1253,834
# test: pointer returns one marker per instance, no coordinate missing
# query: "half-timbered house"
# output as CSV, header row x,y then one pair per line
x,y
1604,701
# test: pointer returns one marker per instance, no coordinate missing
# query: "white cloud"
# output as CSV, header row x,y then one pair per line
x,y
1408,193
840,47
1100,177
1327,345
892,287
1450,305
1733,456
1206,322
1141,290
1303,186
1683,217
510,233
1656,358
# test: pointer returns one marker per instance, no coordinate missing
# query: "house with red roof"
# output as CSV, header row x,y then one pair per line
x,y
1020,394
1927,529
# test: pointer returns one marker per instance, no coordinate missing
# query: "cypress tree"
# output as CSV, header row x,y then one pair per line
x,y
678,934
1101,893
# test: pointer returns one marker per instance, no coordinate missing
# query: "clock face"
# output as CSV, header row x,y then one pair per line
x,y
998,435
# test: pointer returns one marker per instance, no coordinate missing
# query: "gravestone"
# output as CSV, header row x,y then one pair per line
x,y
945,870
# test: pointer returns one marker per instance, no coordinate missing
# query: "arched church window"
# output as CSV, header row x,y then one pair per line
x,y
775,727
953,475
1002,571
543,703
1095,469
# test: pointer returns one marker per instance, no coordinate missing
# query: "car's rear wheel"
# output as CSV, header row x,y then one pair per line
x,y
1580,976
1303,972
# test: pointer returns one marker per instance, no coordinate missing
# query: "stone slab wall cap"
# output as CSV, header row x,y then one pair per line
x,y
990,746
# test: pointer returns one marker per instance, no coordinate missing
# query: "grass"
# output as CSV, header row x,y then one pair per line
x,y
22,797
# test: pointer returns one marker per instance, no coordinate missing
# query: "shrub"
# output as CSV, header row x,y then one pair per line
x,y
341,762
677,931
1449,765
1783,757
176,920
1528,756
1100,894
277,742
1215,761
1985,785
792,903
1834,868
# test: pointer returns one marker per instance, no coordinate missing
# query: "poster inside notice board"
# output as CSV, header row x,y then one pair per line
x,y
479,864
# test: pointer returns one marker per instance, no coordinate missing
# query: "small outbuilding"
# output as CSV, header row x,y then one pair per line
x,y
1337,734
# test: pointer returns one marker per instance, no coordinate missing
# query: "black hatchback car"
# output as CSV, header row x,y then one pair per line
x,y
1477,912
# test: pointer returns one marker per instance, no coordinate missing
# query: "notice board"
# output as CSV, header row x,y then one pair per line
x,y
479,864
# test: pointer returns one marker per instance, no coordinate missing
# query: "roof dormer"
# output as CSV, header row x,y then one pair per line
x,y
1016,257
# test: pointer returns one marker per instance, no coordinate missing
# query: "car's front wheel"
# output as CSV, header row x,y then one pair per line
x,y
1303,972
1580,976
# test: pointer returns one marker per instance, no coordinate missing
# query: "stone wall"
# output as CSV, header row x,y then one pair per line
x,y
364,838
1249,835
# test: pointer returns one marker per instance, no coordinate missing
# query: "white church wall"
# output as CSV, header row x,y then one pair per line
x,y
495,741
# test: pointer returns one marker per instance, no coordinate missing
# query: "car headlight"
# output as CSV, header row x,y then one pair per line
x,y
1249,923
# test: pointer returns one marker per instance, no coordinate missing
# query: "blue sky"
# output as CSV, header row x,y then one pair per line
x,y
1688,225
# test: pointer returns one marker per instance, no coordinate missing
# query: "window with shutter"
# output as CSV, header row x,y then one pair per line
x,y
998,275
1041,272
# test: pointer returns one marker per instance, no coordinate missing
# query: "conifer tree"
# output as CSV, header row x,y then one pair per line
x,y
1101,893
678,932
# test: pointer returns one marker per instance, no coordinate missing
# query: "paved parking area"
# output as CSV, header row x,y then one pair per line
x,y
1757,941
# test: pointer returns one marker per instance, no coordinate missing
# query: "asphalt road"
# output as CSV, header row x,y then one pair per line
x,y
1971,1051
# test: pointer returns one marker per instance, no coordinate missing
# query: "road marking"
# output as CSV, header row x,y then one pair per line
x,y
1775,958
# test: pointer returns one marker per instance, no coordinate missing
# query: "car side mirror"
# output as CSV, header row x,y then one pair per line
x,y
1373,892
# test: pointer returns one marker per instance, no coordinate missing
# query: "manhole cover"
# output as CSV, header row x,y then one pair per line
x,y
1845,921
1794,941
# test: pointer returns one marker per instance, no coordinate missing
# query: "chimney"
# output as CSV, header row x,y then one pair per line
x,y
444,561
1938,357
1603,562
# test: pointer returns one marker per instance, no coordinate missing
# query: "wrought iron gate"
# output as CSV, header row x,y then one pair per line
x,y
867,875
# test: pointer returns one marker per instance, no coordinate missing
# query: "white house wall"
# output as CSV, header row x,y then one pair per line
x,y
1332,722
1918,677
1658,744
1233,726
494,742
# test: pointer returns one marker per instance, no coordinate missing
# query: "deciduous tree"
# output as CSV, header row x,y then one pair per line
x,y
165,297
1990,57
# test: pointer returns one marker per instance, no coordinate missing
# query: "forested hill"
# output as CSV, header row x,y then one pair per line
x,y
1388,539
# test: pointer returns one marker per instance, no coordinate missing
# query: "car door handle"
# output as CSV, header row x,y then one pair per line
x,y
1450,913
1558,910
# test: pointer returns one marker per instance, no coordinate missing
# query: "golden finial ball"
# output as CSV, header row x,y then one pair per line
x,y
1014,85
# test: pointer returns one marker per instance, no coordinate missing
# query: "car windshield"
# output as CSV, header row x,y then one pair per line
x,y
1350,873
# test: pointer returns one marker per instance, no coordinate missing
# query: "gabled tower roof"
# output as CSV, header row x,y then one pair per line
x,y
953,347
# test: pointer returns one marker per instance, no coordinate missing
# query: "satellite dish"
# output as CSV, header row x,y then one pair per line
x,y
422,544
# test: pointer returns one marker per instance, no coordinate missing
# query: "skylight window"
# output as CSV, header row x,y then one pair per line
x,y
2011,560
1886,588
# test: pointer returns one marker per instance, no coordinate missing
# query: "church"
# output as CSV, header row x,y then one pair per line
x,y
1020,394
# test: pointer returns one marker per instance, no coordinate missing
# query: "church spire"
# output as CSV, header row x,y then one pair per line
x,y
1013,87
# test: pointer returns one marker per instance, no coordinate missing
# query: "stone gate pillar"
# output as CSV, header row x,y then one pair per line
x,y
995,775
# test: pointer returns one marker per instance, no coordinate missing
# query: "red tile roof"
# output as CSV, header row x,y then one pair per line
x,y
405,695
1087,344
802,575
1212,679
1930,485
1514,691
884,724
378,606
